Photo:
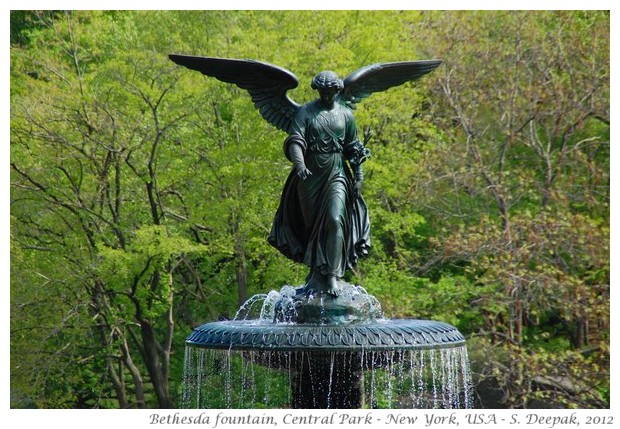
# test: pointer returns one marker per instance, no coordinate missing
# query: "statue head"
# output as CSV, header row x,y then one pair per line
x,y
327,79
328,84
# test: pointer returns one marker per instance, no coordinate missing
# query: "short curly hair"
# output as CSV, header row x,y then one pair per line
x,y
327,79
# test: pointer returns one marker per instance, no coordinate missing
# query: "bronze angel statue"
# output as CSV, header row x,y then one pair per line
x,y
322,220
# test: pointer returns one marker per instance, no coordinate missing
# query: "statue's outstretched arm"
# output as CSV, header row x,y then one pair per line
x,y
266,83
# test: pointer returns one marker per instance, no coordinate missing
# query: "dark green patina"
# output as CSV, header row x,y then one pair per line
x,y
322,220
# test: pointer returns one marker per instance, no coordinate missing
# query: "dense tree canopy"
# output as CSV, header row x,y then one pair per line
x,y
142,193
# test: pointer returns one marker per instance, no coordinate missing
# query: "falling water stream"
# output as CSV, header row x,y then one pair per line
x,y
418,378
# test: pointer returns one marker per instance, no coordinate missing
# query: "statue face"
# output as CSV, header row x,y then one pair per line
x,y
328,96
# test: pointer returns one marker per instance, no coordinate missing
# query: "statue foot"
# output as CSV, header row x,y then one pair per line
x,y
320,283
333,288
314,284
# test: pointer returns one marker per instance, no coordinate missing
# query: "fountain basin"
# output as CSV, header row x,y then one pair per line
x,y
419,363
305,350
381,335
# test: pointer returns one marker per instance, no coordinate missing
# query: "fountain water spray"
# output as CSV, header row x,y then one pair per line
x,y
311,352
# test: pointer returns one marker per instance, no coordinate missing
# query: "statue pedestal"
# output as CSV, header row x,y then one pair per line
x,y
353,305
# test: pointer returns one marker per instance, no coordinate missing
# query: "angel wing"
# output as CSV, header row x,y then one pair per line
x,y
380,77
266,83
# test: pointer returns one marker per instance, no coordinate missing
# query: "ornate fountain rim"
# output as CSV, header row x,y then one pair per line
x,y
390,334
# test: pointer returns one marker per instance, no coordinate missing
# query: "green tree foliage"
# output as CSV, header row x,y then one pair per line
x,y
142,193
524,170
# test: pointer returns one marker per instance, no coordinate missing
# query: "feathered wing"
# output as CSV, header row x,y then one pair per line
x,y
380,77
266,83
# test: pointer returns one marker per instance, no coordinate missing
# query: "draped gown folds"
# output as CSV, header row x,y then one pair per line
x,y
319,222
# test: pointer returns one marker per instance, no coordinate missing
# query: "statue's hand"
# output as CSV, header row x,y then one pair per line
x,y
357,189
303,173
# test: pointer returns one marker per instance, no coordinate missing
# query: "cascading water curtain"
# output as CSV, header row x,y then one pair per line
x,y
414,379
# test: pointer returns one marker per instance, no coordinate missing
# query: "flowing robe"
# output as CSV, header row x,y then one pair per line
x,y
319,222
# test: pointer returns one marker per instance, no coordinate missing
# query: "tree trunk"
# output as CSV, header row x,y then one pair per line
x,y
117,384
153,365
135,375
